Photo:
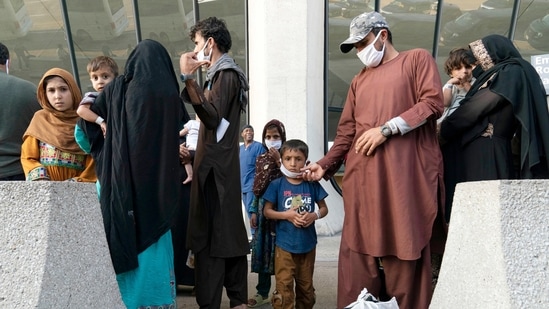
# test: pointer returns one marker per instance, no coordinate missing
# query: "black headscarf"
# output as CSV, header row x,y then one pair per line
x,y
138,164
518,82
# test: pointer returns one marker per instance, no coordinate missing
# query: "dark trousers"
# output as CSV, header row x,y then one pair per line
x,y
263,284
213,273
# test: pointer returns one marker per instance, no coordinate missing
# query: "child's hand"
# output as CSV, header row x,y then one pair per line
x,y
104,128
296,218
253,220
309,218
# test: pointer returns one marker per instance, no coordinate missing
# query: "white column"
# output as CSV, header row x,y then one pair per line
x,y
286,65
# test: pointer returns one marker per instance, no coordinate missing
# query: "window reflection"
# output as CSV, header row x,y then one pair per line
x,y
168,22
15,21
537,33
96,20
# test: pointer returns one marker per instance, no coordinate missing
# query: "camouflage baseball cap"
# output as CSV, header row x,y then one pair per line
x,y
360,27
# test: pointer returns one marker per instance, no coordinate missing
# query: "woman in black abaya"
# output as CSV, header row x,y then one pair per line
x,y
138,168
507,102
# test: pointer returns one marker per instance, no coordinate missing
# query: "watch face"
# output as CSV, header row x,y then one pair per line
x,y
386,131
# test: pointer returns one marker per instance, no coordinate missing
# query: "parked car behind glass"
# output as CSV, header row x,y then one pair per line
x,y
537,33
475,24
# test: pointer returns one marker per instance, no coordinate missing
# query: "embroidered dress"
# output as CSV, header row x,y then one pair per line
x,y
56,164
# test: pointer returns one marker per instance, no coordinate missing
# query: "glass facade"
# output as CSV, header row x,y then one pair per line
x,y
36,33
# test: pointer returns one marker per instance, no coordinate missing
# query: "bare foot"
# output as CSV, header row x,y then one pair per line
x,y
189,179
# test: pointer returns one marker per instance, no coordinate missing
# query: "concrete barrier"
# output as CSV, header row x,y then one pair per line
x,y
53,251
497,253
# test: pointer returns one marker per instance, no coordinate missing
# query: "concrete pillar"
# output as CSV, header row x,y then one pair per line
x,y
497,253
53,249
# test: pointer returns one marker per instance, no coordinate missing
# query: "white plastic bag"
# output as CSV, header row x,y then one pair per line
x,y
367,301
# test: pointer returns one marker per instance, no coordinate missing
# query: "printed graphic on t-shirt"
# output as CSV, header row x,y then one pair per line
x,y
300,202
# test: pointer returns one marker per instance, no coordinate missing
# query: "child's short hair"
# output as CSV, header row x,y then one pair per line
x,y
457,58
100,61
295,144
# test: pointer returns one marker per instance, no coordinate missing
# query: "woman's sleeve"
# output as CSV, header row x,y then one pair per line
x,y
261,178
81,139
468,114
88,174
30,160
254,206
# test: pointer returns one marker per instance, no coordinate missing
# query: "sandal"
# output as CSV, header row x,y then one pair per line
x,y
257,301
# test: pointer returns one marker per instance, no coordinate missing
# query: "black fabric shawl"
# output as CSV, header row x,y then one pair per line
x,y
517,81
138,163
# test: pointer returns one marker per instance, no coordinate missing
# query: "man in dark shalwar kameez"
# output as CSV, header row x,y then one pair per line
x,y
216,233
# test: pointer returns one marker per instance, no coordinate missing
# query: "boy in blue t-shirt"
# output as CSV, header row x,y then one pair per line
x,y
291,201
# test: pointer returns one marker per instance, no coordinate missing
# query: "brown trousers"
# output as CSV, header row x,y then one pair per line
x,y
290,268
408,281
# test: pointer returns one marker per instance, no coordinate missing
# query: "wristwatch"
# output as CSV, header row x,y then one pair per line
x,y
386,131
185,77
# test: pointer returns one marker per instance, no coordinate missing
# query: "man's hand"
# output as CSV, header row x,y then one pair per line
x,y
188,64
312,172
369,140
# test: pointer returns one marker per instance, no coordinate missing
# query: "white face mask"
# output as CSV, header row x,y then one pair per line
x,y
201,56
8,66
370,56
276,144
288,173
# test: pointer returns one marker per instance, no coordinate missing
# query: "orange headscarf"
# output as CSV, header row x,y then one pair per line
x,y
52,126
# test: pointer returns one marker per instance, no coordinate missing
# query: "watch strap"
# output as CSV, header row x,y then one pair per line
x,y
186,77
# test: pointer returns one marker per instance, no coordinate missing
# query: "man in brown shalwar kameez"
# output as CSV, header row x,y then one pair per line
x,y
393,183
